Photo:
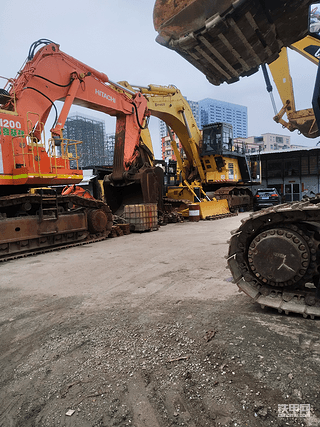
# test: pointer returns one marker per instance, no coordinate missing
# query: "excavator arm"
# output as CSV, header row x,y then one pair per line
x,y
230,40
302,120
52,75
168,104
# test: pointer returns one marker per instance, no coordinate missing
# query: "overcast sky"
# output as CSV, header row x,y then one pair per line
x,y
117,37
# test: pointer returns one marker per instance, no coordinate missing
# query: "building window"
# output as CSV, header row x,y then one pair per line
x,y
313,165
304,166
263,167
292,167
274,169
292,192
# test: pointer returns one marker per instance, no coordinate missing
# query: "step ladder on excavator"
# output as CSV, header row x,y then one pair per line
x,y
48,204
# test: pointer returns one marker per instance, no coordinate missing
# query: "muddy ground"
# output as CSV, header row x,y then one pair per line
x,y
148,330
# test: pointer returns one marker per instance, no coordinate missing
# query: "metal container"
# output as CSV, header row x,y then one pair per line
x,y
194,212
142,217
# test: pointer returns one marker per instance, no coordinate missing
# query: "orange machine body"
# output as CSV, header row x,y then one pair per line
x,y
77,191
24,160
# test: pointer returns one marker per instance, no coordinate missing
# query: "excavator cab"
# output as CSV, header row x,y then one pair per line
x,y
314,20
217,139
314,31
218,142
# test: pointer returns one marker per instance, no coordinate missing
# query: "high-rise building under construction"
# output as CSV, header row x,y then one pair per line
x,y
96,148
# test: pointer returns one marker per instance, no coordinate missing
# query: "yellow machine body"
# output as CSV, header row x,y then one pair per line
x,y
230,172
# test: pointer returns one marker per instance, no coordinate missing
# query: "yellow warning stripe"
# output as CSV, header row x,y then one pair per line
x,y
13,176
23,176
12,113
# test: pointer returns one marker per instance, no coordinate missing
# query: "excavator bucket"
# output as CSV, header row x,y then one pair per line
x,y
144,187
213,208
184,195
229,39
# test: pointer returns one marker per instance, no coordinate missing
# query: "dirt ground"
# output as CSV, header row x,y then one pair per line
x,y
148,330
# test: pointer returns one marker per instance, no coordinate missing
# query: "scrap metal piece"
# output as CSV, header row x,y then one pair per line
x,y
237,197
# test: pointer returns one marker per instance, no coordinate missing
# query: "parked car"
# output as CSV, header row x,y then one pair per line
x,y
266,197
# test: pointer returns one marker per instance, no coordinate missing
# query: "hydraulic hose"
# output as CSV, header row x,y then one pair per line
x,y
139,124
52,103
50,81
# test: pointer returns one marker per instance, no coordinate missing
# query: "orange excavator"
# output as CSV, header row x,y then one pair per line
x,y
31,222
274,256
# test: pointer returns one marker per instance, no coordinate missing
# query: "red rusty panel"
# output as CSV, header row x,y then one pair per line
x,y
29,227
176,18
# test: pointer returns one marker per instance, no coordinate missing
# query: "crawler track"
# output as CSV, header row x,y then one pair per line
x,y
31,223
87,241
274,257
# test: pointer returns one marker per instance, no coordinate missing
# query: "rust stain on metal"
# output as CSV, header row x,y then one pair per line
x,y
236,196
229,39
176,18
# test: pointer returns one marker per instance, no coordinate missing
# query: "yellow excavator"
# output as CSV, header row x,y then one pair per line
x,y
209,163
274,256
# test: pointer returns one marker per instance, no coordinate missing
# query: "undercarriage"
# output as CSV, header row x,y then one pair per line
x,y
33,223
274,257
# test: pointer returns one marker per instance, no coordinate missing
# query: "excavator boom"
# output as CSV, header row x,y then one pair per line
x,y
52,75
